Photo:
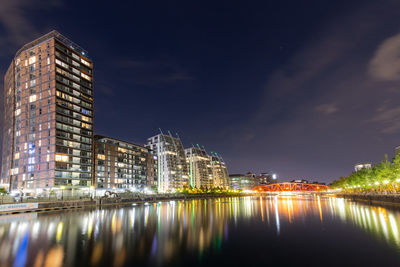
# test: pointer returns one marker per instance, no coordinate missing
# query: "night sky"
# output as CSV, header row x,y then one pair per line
x,y
306,89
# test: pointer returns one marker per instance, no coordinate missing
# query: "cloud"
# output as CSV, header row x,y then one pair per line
x,y
327,108
14,17
388,119
385,65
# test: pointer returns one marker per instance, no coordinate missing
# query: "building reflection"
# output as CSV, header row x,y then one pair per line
x,y
170,232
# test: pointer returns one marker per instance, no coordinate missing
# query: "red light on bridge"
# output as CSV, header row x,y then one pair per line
x,y
291,187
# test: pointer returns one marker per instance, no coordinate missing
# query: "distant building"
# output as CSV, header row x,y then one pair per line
x,y
173,171
219,171
302,181
362,166
200,169
397,150
123,165
266,178
242,181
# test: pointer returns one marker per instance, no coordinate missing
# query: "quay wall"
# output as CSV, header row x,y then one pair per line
x,y
390,199
103,202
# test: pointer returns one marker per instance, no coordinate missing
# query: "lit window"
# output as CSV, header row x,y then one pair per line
x,y
123,150
85,76
62,158
32,98
48,158
16,156
32,60
103,157
17,112
14,171
85,62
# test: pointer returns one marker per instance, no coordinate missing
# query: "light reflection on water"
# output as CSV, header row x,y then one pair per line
x,y
162,233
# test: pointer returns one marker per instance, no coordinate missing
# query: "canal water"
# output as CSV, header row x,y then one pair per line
x,y
246,231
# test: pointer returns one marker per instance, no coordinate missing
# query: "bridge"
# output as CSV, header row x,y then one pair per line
x,y
291,187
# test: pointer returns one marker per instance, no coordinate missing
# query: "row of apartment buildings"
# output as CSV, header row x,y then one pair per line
x,y
48,132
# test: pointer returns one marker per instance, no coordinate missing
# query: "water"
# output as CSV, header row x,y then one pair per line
x,y
248,231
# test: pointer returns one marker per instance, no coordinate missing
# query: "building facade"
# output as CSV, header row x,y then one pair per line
x,y
173,171
242,181
200,169
361,166
266,178
123,165
219,171
48,130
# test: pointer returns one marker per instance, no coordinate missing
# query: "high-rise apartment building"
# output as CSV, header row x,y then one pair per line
x,y
123,165
48,118
172,167
219,171
200,169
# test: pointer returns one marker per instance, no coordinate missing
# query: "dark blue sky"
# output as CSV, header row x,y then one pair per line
x,y
303,88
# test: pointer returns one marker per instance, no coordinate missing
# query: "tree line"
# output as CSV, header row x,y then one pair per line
x,y
384,176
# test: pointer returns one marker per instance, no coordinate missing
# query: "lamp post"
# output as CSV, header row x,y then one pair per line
x,y
62,192
92,187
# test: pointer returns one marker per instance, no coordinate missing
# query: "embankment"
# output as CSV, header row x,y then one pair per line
x,y
391,199
101,202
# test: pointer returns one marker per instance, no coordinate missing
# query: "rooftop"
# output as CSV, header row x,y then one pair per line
x,y
97,137
54,34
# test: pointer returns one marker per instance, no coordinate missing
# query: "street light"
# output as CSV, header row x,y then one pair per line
x,y
92,187
62,192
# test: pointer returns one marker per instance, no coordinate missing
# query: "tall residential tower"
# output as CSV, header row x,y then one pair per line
x,y
172,167
200,169
48,116
219,171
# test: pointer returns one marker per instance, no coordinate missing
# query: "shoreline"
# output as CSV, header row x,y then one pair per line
x,y
387,200
33,207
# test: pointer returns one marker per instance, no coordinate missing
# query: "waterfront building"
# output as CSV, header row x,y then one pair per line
x,y
219,171
200,169
301,181
360,166
123,165
266,178
48,116
172,167
242,181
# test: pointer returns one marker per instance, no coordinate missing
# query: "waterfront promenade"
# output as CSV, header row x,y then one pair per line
x,y
80,202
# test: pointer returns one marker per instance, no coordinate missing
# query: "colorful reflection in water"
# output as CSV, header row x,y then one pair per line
x,y
173,232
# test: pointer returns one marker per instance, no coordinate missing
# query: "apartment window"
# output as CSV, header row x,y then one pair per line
x,y
32,60
32,98
61,158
